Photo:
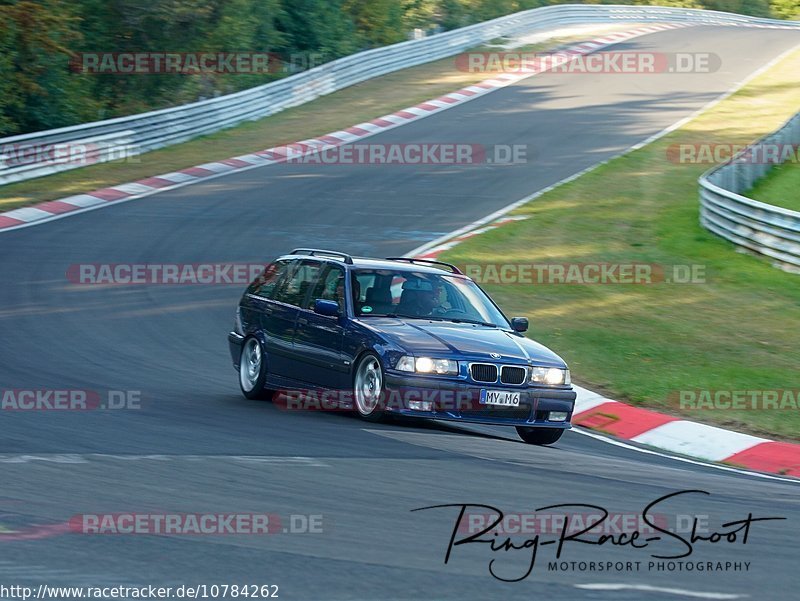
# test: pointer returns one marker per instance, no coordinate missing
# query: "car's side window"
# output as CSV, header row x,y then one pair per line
x,y
294,289
330,286
268,281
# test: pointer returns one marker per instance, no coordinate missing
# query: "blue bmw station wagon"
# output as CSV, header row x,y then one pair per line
x,y
399,336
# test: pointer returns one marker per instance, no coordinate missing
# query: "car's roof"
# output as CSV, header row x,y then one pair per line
x,y
371,263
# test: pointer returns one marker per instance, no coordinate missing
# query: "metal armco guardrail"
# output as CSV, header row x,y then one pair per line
x,y
156,129
752,225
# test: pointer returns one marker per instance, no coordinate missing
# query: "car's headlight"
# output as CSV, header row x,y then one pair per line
x,y
553,376
427,365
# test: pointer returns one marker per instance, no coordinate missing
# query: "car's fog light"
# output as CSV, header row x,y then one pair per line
x,y
420,405
558,416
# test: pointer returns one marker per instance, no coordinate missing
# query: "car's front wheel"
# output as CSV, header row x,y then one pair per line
x,y
368,388
253,370
539,435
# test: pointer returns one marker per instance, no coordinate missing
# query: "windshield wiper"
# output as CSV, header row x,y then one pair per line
x,y
398,315
480,323
437,318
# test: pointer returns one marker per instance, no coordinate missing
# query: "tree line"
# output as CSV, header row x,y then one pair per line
x,y
42,41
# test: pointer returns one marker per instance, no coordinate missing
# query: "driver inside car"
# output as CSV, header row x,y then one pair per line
x,y
420,298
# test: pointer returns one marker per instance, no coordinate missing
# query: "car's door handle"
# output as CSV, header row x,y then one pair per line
x,y
267,310
302,321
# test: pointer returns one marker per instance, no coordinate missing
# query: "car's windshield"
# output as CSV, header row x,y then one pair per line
x,y
423,295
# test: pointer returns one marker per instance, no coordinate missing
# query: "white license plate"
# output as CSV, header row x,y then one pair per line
x,y
499,397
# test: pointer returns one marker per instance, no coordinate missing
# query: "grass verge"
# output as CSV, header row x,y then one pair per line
x,y
339,110
644,344
779,187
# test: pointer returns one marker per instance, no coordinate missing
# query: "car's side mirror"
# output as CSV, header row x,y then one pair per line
x,y
519,324
328,308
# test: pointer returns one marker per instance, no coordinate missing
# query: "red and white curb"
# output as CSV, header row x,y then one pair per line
x,y
71,205
684,437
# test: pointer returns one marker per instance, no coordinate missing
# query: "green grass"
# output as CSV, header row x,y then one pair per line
x,y
780,187
644,343
339,110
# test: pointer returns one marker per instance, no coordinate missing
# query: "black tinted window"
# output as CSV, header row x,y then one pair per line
x,y
294,288
330,286
266,284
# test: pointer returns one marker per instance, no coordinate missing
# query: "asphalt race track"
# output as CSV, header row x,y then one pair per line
x,y
196,445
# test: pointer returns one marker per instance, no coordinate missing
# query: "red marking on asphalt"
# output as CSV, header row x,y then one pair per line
x,y
197,171
108,194
235,163
621,420
155,182
775,457
9,221
356,131
56,206
331,140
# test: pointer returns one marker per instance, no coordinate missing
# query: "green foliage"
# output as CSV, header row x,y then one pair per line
x,y
786,9
38,37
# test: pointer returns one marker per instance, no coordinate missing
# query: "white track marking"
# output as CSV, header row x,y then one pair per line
x,y
28,214
82,200
132,188
75,458
698,440
658,589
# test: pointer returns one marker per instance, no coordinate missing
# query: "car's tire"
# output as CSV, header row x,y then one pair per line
x,y
539,436
368,388
253,370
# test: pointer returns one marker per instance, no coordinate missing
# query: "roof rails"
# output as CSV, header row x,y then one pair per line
x,y
318,252
450,266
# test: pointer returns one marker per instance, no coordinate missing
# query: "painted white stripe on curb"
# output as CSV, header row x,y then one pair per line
x,y
27,214
587,400
698,440
177,177
215,167
82,200
657,589
132,188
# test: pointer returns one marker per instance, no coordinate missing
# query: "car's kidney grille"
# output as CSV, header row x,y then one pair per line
x,y
512,375
483,372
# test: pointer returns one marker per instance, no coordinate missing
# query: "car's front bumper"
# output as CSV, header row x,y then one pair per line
x,y
458,401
